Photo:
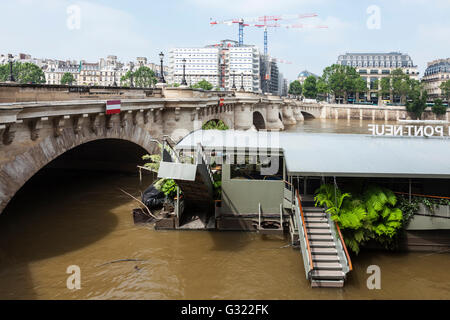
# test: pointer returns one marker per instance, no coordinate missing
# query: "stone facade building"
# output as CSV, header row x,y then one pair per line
x,y
437,72
224,63
375,66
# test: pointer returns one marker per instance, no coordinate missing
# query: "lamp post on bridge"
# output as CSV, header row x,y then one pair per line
x,y
161,78
242,82
11,76
234,83
114,83
183,81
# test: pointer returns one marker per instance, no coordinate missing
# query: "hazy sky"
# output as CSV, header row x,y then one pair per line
x,y
129,29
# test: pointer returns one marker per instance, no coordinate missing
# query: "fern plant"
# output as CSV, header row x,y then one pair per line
x,y
369,215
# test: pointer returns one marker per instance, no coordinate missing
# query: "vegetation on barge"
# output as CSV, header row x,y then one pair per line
x,y
369,214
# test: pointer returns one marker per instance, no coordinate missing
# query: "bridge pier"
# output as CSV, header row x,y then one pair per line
x,y
298,115
288,115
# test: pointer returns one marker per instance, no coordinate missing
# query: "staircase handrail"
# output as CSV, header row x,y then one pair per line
x,y
304,233
349,261
171,150
343,253
202,154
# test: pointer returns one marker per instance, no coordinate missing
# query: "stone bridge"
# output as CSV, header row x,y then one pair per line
x,y
41,124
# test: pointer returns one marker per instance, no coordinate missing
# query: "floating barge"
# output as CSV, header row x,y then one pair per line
x,y
268,179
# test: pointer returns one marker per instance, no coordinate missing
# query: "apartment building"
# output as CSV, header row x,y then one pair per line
x,y
375,66
437,72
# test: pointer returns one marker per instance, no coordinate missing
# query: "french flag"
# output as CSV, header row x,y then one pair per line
x,y
113,107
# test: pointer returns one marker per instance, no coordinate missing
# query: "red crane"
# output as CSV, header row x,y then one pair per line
x,y
261,21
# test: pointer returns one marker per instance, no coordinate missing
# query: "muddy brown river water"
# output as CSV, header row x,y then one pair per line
x,y
70,218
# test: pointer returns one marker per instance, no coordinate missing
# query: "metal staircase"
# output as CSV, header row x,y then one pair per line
x,y
197,184
325,256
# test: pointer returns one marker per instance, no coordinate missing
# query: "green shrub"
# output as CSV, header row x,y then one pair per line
x,y
438,108
215,125
371,214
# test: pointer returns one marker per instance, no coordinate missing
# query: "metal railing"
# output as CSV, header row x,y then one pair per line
x,y
344,256
303,237
169,148
202,159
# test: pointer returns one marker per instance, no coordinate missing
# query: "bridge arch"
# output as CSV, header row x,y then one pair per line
x,y
308,115
258,121
15,173
215,121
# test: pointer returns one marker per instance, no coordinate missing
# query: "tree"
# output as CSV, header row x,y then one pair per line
x,y
445,87
143,77
385,86
322,88
341,80
439,109
23,73
401,84
67,78
205,85
418,103
361,87
295,88
310,87
215,125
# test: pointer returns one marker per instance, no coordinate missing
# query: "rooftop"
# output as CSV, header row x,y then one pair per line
x,y
323,154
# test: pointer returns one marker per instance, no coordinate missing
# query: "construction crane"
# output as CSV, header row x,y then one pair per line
x,y
241,23
266,25
245,22
263,23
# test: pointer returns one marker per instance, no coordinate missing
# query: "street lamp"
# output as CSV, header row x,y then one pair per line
x,y
242,82
234,83
115,83
183,82
161,78
11,76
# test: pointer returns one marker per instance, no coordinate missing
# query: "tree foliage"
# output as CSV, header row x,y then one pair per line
x,y
295,88
144,77
445,87
439,108
342,80
418,103
23,73
322,87
370,214
205,85
67,78
215,125
310,87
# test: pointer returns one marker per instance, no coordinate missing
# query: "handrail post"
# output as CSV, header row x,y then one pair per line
x,y
281,215
349,261
259,216
311,268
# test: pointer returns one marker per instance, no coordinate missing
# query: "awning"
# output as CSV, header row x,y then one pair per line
x,y
324,154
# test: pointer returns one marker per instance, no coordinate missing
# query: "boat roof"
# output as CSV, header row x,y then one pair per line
x,y
327,154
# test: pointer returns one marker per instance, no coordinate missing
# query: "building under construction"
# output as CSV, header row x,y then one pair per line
x,y
227,66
